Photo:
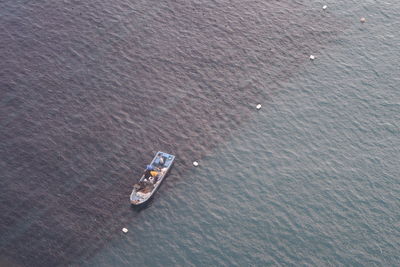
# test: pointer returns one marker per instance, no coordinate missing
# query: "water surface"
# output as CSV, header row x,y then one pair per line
x,y
89,92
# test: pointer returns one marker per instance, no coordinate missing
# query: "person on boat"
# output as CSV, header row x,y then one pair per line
x,y
160,160
148,171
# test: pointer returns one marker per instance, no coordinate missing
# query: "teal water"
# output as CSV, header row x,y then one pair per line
x,y
310,179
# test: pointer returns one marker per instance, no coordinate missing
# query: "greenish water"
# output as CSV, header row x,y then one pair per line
x,y
310,179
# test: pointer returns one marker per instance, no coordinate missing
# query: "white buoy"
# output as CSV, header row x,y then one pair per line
x,y
312,57
124,230
195,163
258,106
362,20
324,7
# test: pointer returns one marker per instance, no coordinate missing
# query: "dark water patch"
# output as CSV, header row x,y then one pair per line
x,y
91,91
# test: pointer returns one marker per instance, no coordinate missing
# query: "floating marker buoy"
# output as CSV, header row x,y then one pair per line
x,y
363,20
124,230
195,163
312,57
258,106
324,7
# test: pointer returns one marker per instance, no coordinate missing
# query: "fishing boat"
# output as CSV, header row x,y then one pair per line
x,y
152,178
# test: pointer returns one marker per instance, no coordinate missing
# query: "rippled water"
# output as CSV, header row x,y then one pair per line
x,y
89,92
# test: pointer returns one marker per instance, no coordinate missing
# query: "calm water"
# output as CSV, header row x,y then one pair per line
x,y
89,92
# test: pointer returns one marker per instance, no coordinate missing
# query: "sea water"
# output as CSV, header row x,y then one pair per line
x,y
91,91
